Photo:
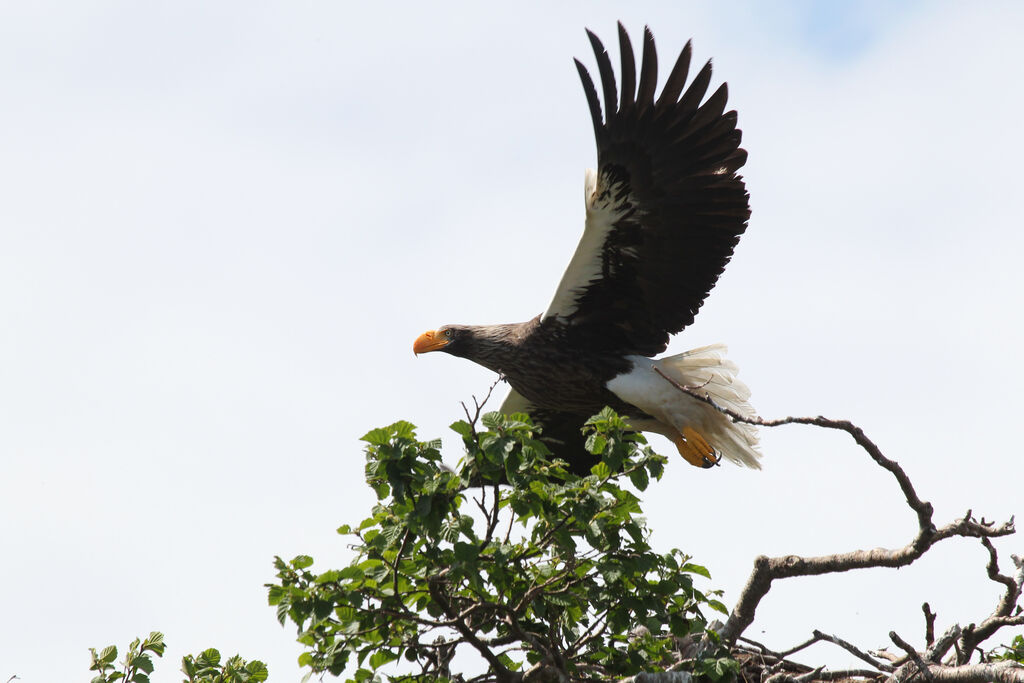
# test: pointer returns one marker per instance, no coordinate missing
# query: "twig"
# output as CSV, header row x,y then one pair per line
x,y
929,624
793,650
479,405
761,646
856,652
398,558
491,516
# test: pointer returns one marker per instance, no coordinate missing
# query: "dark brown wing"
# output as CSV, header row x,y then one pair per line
x,y
664,210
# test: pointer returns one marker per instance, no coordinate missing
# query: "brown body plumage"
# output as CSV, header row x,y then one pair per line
x,y
540,363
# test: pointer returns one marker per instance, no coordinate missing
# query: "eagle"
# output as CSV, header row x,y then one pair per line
x,y
664,211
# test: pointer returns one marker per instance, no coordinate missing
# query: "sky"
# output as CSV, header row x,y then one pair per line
x,y
224,224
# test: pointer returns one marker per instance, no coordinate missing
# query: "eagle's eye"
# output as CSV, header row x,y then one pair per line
x,y
448,334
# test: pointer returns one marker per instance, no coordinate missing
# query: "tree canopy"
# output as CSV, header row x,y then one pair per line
x,y
508,567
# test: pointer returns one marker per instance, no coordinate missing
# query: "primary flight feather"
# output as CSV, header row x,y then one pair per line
x,y
664,210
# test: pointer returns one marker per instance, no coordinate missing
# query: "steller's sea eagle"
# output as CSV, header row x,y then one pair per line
x,y
664,210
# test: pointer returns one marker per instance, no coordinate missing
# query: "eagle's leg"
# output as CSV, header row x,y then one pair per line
x,y
695,448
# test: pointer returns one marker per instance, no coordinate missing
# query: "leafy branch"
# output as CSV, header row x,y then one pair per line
x,y
206,667
576,593
136,665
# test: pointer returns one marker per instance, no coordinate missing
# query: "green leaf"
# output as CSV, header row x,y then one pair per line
x,y
718,606
404,430
380,658
329,576
696,569
257,671
275,594
423,505
155,643
596,443
301,561
378,437
465,552
494,421
352,572
639,479
144,663
462,428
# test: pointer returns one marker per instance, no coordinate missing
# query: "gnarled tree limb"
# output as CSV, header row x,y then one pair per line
x,y
925,664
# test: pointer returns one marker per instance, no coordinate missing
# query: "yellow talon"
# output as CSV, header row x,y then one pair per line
x,y
695,449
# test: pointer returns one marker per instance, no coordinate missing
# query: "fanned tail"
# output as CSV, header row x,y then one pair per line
x,y
706,369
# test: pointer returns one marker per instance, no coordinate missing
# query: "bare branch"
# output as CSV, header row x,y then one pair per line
x,y
925,665
766,569
856,652
468,634
819,637
802,646
790,678
663,677
772,663
1000,672
940,647
923,509
1012,584
1003,614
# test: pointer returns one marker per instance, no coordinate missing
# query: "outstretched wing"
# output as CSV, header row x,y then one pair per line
x,y
665,207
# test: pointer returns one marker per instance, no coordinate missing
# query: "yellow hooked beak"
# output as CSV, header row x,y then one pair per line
x,y
430,341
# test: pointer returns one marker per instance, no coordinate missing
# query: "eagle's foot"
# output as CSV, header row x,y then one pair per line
x,y
695,449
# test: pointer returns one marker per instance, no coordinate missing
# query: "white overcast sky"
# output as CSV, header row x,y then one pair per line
x,y
223,224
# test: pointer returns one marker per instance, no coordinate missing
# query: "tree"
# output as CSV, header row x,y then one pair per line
x,y
552,578
510,568
548,576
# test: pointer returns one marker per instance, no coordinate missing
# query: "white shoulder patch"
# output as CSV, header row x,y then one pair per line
x,y
514,403
585,265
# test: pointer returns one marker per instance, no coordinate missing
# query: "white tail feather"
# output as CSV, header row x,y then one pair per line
x,y
705,370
